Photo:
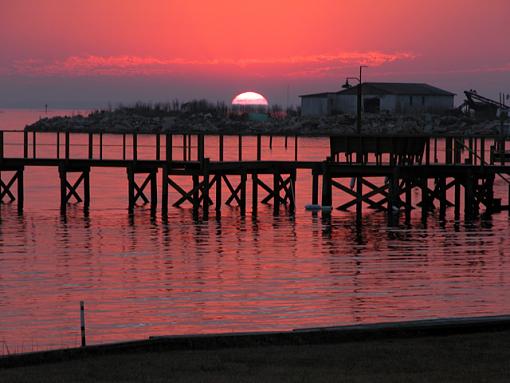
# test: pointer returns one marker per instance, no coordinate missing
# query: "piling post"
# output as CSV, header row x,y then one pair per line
x,y
63,190
154,191
295,148
164,189
326,189
34,144
254,193
286,141
82,324
218,195
315,188
435,150
196,196
131,189
200,148
243,194
189,147
1,145
448,150
135,146
205,192
124,146
359,201
168,145
292,204
259,147
221,147
67,144
184,147
25,144
276,191
240,148
91,145
456,212
86,189
100,145
58,145
21,196
158,147
270,141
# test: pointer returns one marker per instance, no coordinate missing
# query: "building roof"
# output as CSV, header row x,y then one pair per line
x,y
398,88
318,95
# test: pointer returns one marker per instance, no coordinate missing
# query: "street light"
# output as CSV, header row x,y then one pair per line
x,y
360,84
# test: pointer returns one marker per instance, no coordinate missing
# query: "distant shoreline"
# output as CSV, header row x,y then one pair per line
x,y
119,122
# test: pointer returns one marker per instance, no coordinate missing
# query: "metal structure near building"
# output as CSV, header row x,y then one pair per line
x,y
483,107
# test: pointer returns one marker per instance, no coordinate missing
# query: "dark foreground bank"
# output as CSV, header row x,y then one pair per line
x,y
418,352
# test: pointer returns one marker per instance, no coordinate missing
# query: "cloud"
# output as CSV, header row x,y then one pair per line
x,y
294,66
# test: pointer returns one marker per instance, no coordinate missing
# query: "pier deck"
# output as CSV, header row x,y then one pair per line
x,y
382,171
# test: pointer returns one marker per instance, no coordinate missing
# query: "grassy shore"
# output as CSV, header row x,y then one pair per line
x,y
480,357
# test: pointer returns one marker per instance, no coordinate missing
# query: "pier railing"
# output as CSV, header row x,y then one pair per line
x,y
426,150
15,144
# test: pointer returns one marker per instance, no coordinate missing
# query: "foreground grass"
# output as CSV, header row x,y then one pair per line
x,y
458,358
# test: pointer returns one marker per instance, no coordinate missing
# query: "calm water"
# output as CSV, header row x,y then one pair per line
x,y
141,276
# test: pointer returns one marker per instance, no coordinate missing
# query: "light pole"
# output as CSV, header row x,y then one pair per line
x,y
359,153
360,84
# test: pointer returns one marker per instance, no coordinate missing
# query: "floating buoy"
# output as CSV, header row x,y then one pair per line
x,y
313,207
327,209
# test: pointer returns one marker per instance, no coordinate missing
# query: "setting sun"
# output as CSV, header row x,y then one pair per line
x,y
250,98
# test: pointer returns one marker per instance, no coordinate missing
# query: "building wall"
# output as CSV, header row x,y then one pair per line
x,y
396,104
413,104
316,106
348,103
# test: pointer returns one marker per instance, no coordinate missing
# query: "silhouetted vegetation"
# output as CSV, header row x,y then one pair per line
x,y
177,108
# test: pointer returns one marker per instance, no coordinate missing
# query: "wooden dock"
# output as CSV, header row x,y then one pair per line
x,y
375,172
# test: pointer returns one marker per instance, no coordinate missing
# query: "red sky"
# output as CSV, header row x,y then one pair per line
x,y
85,53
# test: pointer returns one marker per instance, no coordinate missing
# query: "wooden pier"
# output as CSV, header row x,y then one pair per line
x,y
378,173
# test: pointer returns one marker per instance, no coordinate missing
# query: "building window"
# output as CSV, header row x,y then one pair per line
x,y
411,100
423,100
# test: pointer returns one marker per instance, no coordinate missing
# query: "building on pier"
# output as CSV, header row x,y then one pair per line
x,y
399,98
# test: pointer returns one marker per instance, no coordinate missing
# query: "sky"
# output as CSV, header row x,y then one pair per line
x,y
86,54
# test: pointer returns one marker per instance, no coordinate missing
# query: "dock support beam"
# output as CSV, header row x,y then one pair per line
x,y
136,191
70,190
5,187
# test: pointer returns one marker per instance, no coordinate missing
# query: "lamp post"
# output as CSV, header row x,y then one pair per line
x,y
360,84
359,153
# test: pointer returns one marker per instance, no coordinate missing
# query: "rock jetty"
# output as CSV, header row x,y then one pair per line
x,y
119,121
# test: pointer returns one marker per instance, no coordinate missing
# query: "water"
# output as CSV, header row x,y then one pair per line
x,y
141,277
